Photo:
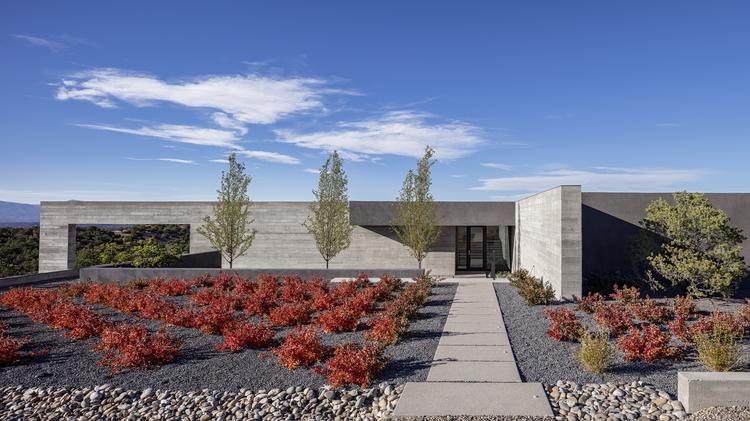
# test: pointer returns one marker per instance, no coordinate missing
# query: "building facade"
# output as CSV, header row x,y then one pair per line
x,y
561,235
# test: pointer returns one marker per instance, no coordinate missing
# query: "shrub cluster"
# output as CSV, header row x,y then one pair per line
x,y
590,302
353,364
10,347
647,343
625,295
565,325
614,317
300,348
133,346
48,307
534,291
243,334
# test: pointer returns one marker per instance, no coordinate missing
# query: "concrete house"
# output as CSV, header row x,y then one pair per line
x,y
561,235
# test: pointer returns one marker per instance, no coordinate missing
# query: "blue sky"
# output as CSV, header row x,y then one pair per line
x,y
143,100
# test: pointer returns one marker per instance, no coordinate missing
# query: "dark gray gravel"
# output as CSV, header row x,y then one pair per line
x,y
542,359
73,363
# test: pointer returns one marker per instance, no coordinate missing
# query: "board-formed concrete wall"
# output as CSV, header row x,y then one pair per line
x,y
548,238
281,240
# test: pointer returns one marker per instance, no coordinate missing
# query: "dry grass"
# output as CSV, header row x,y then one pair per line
x,y
596,353
719,351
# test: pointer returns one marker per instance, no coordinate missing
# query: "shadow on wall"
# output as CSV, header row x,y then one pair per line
x,y
607,250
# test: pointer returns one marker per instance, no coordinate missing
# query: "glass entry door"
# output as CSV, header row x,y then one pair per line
x,y
470,248
476,248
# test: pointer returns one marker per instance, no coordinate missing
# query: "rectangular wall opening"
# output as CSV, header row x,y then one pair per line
x,y
479,247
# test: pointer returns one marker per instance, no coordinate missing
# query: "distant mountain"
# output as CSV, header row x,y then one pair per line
x,y
15,213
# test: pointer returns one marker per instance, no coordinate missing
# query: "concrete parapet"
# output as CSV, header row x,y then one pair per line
x,y
698,390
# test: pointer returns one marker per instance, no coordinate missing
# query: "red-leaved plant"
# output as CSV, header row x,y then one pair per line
x,y
683,306
352,364
565,325
590,302
341,319
301,347
291,314
614,317
132,346
647,344
386,328
243,334
649,310
625,294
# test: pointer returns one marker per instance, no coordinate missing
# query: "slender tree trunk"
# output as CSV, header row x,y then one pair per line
x,y
326,264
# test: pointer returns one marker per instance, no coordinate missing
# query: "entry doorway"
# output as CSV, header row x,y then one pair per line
x,y
477,247
470,248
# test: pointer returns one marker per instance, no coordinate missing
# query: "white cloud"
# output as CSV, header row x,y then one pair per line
x,y
599,179
42,42
403,133
238,99
178,133
504,167
458,175
312,170
175,160
220,161
267,156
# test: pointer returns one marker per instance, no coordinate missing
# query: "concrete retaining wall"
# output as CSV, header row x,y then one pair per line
x,y
126,274
38,278
703,390
281,241
548,238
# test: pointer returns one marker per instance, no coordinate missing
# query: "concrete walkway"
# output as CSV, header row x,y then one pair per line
x,y
473,371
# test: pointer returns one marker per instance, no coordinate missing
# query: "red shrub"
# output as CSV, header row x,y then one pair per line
x,y
680,329
172,287
340,319
387,285
351,364
81,321
614,317
301,347
683,306
343,290
647,344
317,285
722,322
216,297
290,314
386,329
3,328
590,302
132,346
323,300
46,306
182,317
264,298
565,325
364,301
649,310
10,349
243,334
625,295
213,319
73,289
744,313
225,280
243,287
293,289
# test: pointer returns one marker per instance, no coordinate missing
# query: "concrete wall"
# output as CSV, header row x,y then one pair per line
x,y
100,274
446,213
611,220
281,241
548,238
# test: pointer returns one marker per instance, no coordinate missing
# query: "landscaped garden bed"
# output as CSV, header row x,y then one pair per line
x,y
224,333
647,351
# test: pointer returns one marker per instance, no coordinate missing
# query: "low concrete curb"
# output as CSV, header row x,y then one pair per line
x,y
697,390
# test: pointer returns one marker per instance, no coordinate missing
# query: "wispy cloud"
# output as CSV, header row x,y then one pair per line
x,y
493,165
177,133
237,99
458,175
54,46
267,156
597,179
174,160
312,170
403,133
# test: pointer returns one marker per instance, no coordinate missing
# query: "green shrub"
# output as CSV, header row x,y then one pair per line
x,y
534,291
720,349
596,353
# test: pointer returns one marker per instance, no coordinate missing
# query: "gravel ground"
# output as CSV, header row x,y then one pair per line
x,y
541,359
73,364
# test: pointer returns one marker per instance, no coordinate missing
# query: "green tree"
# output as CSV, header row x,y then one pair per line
x,y
149,253
415,222
700,249
329,213
228,230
